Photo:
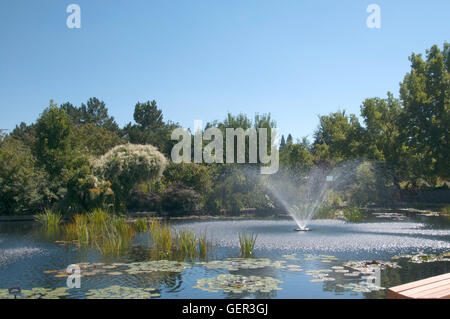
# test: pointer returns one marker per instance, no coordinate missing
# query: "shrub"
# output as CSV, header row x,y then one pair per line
x,y
181,198
353,214
143,201
127,165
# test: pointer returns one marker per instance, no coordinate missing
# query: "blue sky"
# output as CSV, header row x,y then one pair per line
x,y
200,59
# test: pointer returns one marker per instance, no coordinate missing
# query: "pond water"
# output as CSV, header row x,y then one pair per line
x,y
286,264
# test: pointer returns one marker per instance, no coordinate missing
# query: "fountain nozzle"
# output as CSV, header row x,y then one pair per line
x,y
302,229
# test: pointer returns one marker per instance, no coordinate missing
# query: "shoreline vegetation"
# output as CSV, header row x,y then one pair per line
x,y
76,160
418,209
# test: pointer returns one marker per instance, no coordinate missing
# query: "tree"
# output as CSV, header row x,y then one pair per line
x,y
94,140
381,127
127,165
53,147
93,112
297,158
150,128
195,176
342,135
289,139
21,182
148,116
25,133
282,143
425,118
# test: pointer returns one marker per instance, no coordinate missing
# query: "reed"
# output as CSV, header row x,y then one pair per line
x,y
247,244
49,219
108,233
141,224
177,244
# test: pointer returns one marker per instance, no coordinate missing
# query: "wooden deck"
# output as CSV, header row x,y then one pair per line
x,y
431,288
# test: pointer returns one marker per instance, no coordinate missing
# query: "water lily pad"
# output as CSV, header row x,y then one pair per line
x,y
238,284
36,293
119,292
233,264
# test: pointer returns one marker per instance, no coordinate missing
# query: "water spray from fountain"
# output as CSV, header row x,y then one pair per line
x,y
301,197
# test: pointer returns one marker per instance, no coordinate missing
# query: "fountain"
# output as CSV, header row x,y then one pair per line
x,y
301,197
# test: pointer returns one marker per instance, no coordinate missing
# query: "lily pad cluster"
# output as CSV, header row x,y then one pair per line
x,y
232,264
158,265
369,267
322,258
36,293
238,284
291,257
117,269
424,258
363,286
119,292
320,275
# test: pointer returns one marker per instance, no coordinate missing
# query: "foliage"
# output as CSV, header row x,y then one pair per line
x,y
195,176
141,224
22,184
341,135
150,128
143,201
127,165
87,192
94,140
93,112
353,214
49,219
178,197
109,233
74,159
425,118
177,244
247,244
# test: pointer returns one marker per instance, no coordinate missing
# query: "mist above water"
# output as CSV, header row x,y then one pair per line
x,y
301,197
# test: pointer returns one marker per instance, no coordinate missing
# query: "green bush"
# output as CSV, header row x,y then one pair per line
x,y
127,165
180,198
353,214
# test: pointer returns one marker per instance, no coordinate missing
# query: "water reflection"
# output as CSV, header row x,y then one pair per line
x,y
26,253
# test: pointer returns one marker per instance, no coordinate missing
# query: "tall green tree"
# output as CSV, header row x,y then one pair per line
x,y
148,116
21,183
381,119
53,148
150,128
93,112
425,120
339,135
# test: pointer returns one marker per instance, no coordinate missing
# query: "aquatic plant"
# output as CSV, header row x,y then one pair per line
x,y
424,258
141,224
109,233
247,244
119,292
238,284
36,293
177,244
445,210
49,219
233,264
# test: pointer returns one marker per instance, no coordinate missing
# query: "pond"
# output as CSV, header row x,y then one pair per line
x,y
336,259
